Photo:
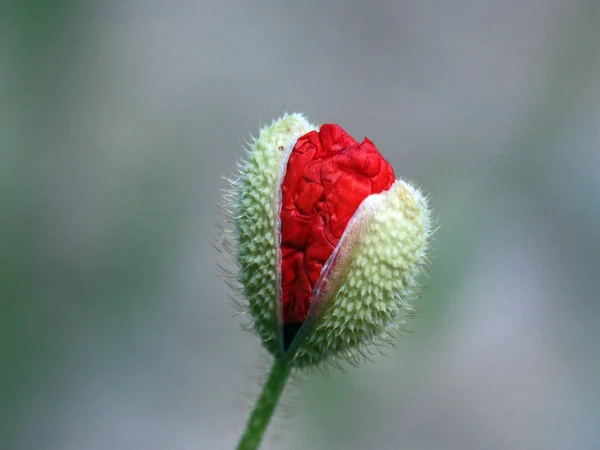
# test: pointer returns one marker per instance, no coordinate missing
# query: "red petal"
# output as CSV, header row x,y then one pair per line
x,y
328,176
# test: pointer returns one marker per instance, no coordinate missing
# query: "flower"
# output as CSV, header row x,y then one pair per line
x,y
328,243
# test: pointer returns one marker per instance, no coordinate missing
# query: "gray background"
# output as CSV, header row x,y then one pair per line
x,y
117,121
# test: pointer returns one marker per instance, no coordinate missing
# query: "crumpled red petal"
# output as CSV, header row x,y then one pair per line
x,y
328,176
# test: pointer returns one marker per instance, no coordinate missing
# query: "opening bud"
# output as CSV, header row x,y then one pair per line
x,y
328,243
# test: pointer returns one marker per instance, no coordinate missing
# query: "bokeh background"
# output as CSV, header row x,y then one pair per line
x,y
117,122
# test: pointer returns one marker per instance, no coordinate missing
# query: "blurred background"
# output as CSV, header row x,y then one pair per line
x,y
117,122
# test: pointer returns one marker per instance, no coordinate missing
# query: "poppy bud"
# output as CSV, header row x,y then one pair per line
x,y
328,243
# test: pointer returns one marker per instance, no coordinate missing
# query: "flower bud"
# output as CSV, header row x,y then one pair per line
x,y
328,244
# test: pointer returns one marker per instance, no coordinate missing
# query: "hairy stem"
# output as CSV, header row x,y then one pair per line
x,y
265,406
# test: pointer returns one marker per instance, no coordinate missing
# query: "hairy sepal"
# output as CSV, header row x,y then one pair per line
x,y
255,201
368,281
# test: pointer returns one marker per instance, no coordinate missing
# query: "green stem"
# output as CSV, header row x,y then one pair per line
x,y
265,406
